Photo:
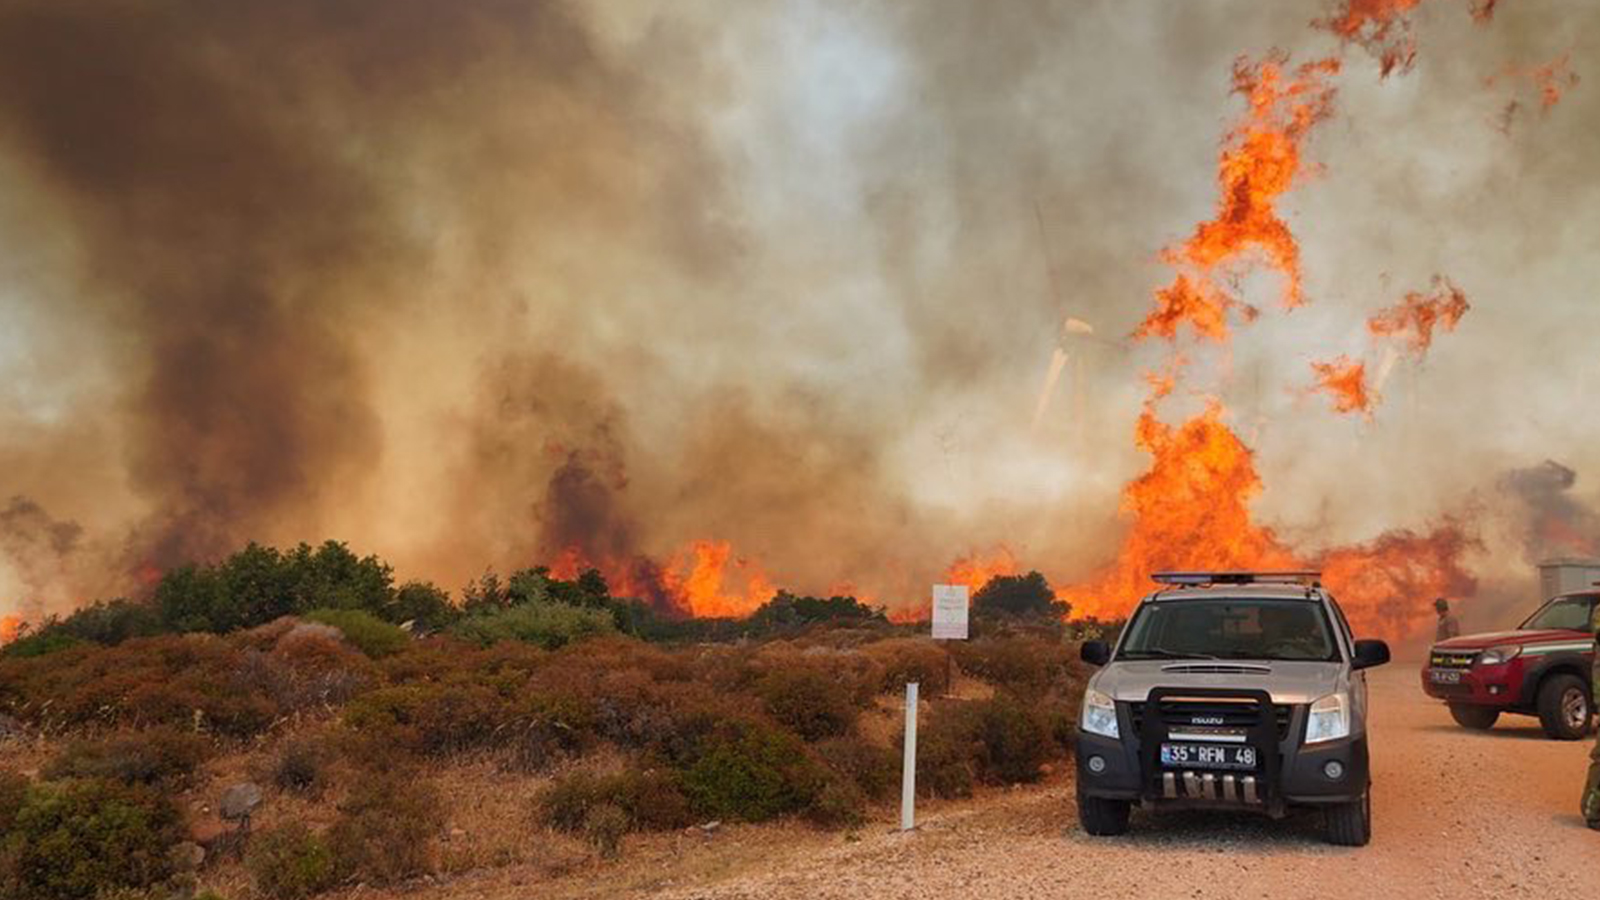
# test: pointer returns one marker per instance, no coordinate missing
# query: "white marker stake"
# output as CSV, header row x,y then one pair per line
x,y
908,770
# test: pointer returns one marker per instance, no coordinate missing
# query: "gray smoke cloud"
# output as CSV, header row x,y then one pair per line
x,y
474,283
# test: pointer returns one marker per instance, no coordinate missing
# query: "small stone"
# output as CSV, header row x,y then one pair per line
x,y
187,856
239,801
711,827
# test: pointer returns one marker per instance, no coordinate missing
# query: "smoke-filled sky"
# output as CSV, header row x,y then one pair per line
x,y
470,283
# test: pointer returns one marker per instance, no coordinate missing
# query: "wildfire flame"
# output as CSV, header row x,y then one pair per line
x,y
1383,28
1260,159
10,627
1345,381
1415,317
704,578
975,570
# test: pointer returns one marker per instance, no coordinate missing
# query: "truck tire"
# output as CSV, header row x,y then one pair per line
x,y
1478,718
1101,817
1350,824
1565,707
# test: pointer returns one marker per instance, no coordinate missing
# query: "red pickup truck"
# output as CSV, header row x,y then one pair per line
x,y
1543,669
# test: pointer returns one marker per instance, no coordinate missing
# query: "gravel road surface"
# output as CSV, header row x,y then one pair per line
x,y
1457,815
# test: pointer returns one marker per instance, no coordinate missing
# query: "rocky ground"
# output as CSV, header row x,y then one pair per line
x,y
1458,814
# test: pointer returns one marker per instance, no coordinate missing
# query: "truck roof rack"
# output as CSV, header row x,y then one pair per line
x,y
1308,577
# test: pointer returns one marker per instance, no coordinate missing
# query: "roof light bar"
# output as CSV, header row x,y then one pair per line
x,y
1297,576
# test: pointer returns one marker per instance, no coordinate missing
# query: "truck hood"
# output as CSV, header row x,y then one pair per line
x,y
1489,639
1287,682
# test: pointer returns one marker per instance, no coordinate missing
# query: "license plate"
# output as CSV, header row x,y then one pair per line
x,y
1209,756
1444,676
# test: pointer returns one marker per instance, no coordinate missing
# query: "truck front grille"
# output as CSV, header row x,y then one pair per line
x,y
1224,713
1452,659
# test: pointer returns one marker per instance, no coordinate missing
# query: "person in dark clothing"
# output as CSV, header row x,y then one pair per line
x,y
1448,626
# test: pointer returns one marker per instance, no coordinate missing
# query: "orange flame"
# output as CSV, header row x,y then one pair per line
x,y
1416,316
976,570
1383,27
1345,381
1260,160
699,575
10,627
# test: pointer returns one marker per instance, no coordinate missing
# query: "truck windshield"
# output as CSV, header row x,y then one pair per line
x,y
1230,628
1569,613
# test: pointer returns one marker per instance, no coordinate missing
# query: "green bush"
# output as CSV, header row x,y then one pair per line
x,y
43,642
810,702
155,756
839,803
371,635
13,792
386,828
604,826
874,769
751,771
1016,662
1012,742
548,625
906,660
423,604
74,840
290,863
651,800
302,763
945,754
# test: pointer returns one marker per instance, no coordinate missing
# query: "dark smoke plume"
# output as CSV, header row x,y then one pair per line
x,y
1555,521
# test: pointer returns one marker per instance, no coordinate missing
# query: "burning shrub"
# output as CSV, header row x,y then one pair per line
x,y
156,756
747,770
386,828
910,659
290,863
75,840
548,625
651,800
810,702
371,635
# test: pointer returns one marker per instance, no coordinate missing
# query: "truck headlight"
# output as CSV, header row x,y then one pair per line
x,y
1494,656
1330,719
1100,715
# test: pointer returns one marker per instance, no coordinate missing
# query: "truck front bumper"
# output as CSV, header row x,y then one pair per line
x,y
1480,685
1303,775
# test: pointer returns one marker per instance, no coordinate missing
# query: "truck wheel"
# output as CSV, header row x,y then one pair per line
x,y
1350,824
1101,817
1478,718
1565,707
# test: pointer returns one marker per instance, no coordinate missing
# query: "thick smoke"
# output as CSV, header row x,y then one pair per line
x,y
480,282
1556,520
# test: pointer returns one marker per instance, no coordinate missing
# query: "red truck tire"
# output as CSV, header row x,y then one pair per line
x,y
1478,718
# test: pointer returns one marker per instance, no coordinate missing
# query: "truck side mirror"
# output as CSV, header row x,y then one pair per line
x,y
1097,653
1370,653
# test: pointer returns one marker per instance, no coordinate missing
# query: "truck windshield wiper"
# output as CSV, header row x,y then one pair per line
x,y
1163,653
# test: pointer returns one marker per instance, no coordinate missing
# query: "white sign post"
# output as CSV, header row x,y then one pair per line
x,y
950,612
908,766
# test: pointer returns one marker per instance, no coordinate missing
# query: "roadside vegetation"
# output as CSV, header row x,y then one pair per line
x,y
379,724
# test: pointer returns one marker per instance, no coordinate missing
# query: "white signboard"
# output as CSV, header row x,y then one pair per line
x,y
950,612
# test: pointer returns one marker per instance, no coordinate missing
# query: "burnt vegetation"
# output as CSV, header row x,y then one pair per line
x,y
342,692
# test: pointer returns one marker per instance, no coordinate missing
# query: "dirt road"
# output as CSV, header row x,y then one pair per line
x,y
1458,815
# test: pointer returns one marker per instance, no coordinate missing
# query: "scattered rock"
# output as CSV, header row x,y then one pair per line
x,y
187,856
710,828
239,801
